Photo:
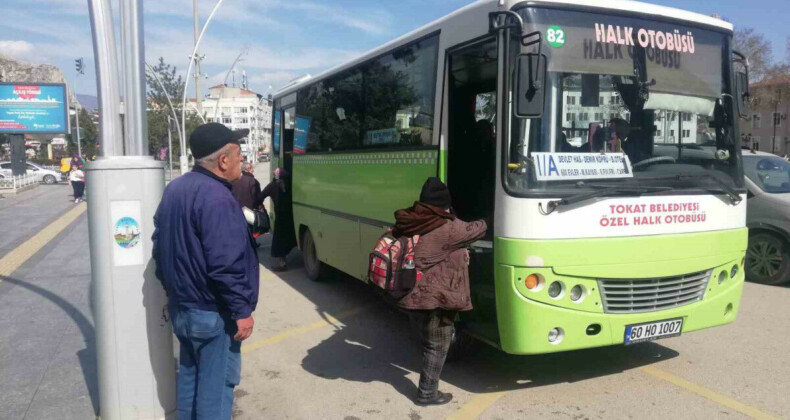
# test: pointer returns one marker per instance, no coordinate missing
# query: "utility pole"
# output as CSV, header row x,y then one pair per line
x,y
80,70
196,57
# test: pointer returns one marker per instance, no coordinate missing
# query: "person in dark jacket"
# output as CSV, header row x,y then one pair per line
x,y
443,290
247,189
208,266
284,238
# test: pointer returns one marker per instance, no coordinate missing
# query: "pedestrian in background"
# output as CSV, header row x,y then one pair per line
x,y
208,266
443,259
284,238
247,189
77,180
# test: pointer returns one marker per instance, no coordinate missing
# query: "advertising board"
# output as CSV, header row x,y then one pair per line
x,y
33,108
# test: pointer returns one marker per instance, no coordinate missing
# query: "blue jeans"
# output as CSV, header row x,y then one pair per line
x,y
209,365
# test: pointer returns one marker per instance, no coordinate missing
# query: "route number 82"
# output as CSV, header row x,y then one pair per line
x,y
555,36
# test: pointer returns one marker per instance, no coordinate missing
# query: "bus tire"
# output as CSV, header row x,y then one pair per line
x,y
767,259
313,266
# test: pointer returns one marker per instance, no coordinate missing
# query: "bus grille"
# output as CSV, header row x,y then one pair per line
x,y
622,296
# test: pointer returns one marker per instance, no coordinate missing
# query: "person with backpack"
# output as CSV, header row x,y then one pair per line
x,y
442,289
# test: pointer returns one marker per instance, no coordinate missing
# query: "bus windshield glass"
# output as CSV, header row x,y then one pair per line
x,y
655,92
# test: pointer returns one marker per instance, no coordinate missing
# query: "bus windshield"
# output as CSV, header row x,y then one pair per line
x,y
653,91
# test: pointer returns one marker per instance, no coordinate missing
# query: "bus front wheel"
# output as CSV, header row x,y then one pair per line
x,y
312,265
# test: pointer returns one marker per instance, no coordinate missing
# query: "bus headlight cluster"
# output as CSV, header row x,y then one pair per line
x,y
733,271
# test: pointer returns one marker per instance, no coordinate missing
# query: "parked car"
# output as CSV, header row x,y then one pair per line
x,y
768,217
263,157
42,175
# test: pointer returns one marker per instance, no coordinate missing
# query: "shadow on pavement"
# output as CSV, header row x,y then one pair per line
x,y
86,356
378,345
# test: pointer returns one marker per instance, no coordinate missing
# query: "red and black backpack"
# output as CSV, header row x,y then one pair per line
x,y
392,267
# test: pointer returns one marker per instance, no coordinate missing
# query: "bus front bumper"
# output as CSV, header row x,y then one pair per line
x,y
526,328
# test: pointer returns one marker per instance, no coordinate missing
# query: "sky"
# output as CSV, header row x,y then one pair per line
x,y
281,39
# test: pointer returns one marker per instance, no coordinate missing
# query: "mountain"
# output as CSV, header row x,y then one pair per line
x,y
88,102
12,70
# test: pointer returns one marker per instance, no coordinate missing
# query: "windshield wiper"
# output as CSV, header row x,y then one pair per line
x,y
615,189
733,195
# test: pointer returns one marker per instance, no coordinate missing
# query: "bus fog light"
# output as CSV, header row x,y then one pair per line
x,y
555,289
722,276
577,293
733,271
556,335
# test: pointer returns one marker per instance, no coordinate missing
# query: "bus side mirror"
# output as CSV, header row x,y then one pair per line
x,y
741,94
530,82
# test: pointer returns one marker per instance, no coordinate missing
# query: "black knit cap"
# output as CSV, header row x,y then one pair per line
x,y
435,193
208,138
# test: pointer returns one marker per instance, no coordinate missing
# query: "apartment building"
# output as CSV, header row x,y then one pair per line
x,y
239,108
767,127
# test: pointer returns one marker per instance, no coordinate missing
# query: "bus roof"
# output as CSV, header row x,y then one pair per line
x,y
604,5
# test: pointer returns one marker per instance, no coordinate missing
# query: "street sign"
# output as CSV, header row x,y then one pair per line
x,y
33,108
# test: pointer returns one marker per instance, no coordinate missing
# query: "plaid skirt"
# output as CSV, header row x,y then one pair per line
x,y
436,333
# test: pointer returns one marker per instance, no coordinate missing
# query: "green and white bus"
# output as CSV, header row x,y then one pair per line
x,y
599,138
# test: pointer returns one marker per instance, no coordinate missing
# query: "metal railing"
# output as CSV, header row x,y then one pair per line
x,y
16,182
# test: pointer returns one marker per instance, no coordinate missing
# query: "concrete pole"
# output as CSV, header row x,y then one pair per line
x,y
196,57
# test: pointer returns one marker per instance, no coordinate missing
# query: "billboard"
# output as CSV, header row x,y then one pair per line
x,y
33,108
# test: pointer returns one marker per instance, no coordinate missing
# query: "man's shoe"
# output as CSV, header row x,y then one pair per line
x,y
439,399
280,268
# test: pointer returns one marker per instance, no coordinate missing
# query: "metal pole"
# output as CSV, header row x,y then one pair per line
x,y
170,146
134,341
225,81
136,133
110,130
77,117
183,159
196,57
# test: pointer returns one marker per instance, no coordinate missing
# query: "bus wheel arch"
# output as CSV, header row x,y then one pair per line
x,y
312,264
763,243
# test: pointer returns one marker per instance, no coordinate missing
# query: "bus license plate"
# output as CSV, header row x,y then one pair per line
x,y
639,333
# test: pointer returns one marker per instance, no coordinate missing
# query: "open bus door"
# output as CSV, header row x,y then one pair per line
x,y
471,168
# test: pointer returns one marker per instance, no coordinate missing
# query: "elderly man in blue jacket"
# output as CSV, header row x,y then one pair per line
x,y
207,263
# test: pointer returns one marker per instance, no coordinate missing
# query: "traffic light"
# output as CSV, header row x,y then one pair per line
x,y
80,67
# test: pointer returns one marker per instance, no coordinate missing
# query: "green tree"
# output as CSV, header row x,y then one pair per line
x,y
89,135
159,107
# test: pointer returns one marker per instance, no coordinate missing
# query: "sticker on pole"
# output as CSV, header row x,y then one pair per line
x,y
555,36
127,233
576,166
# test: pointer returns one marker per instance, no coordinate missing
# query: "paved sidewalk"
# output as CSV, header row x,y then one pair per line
x,y
25,214
47,355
